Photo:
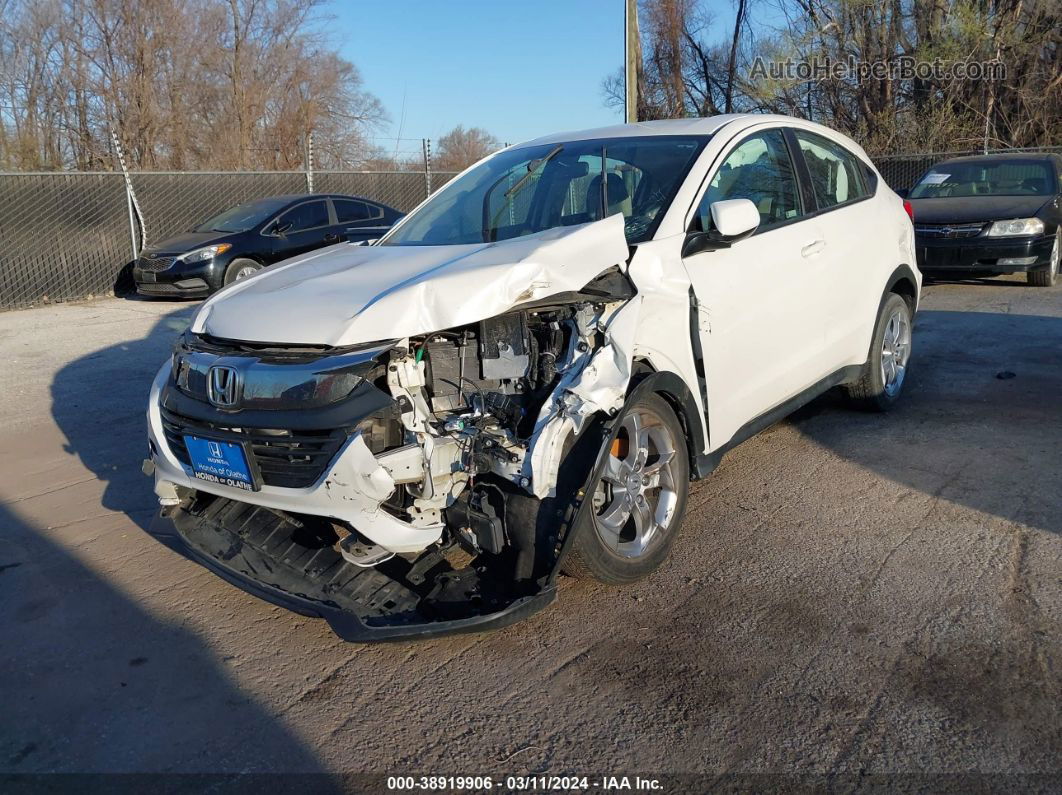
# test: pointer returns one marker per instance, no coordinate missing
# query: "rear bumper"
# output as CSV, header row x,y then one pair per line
x,y
983,255
359,604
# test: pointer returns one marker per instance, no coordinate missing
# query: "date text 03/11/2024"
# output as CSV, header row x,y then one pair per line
x,y
531,783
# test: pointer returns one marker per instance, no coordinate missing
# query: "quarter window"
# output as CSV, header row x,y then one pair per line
x,y
306,216
758,169
836,173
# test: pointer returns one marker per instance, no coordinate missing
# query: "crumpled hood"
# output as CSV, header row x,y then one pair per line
x,y
347,294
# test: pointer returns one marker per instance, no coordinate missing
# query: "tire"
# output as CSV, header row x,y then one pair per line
x,y
1047,276
879,387
241,268
627,529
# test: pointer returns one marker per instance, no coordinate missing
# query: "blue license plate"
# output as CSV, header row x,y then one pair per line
x,y
220,462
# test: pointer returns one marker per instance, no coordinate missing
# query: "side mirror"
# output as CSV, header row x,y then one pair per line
x,y
280,229
734,220
902,192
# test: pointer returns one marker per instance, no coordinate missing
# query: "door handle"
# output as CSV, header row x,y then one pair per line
x,y
812,248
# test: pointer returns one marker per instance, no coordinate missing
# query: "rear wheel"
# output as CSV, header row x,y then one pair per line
x,y
241,268
1047,276
886,369
637,505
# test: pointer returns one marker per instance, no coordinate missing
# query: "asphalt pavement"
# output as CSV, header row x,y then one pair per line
x,y
853,595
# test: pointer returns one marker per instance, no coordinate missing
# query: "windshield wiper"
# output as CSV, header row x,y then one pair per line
x,y
532,167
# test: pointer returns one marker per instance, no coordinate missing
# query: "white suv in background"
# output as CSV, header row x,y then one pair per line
x,y
524,375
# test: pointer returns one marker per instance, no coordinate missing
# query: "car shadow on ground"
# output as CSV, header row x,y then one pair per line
x,y
95,683
99,402
979,422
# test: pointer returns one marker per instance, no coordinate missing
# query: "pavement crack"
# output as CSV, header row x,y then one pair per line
x,y
46,492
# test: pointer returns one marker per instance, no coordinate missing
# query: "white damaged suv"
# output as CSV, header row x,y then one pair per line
x,y
524,375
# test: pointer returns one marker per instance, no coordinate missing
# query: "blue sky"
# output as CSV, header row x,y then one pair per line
x,y
519,69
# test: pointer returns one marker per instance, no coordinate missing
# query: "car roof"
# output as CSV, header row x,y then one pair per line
x,y
706,125
290,198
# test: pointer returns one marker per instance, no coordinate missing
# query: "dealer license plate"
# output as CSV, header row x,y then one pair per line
x,y
221,462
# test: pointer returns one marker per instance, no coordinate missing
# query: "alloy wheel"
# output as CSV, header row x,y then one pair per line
x,y
635,501
895,351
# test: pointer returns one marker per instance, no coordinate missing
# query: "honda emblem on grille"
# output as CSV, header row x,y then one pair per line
x,y
223,386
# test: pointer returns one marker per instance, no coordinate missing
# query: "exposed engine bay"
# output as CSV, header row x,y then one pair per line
x,y
472,450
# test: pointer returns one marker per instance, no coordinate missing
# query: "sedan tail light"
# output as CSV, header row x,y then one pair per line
x,y
907,208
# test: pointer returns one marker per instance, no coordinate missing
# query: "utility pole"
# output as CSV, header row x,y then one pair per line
x,y
632,61
426,144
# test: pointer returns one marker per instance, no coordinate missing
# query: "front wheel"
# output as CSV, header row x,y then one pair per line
x,y
1047,276
636,508
241,268
886,369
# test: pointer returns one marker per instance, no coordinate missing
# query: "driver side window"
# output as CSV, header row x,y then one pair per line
x,y
758,169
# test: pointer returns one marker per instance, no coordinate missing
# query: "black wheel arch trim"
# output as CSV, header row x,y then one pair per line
x,y
903,272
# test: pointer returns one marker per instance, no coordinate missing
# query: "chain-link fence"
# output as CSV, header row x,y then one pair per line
x,y
65,236
61,236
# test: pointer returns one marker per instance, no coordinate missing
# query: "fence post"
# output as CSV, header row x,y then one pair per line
x,y
426,142
130,199
309,162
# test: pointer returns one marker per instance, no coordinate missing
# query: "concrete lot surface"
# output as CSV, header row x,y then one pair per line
x,y
852,593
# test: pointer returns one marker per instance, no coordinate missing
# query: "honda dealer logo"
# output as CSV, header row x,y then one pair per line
x,y
223,386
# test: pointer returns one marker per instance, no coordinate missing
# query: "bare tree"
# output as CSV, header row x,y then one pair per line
x,y
888,113
183,83
460,148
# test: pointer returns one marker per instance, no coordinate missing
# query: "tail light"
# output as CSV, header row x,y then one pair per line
x,y
907,208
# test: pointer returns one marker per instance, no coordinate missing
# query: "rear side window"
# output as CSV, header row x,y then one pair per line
x,y
758,169
836,173
306,216
348,211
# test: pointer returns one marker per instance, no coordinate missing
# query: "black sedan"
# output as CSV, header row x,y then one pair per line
x,y
990,215
248,237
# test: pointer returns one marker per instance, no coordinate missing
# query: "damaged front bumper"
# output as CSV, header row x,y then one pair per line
x,y
291,562
359,604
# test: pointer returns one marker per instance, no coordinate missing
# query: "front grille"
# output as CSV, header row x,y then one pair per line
x,y
155,264
290,459
949,231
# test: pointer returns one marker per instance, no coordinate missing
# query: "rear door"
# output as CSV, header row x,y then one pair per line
x,y
302,228
359,220
850,262
760,302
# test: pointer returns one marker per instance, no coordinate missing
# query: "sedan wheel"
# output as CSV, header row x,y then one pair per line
x,y
241,268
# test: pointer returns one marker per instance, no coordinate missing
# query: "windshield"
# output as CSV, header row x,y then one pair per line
x,y
534,188
243,216
986,178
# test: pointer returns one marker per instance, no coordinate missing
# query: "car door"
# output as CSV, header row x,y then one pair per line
x,y
359,220
759,302
849,261
302,228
